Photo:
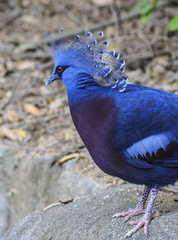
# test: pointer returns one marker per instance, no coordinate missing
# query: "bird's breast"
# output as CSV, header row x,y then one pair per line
x,y
95,120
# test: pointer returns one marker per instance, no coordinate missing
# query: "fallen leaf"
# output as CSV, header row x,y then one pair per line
x,y
101,3
30,19
12,116
9,133
20,133
24,64
56,104
69,157
3,70
31,109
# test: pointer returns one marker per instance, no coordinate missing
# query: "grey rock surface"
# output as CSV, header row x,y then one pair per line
x,y
4,210
90,218
30,181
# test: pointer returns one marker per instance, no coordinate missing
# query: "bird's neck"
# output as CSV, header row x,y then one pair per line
x,y
84,89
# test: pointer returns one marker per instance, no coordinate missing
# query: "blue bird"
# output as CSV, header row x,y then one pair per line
x,y
130,131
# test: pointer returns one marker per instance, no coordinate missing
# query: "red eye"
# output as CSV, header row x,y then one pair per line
x,y
59,69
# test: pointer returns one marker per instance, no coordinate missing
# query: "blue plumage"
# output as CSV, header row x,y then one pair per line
x,y
90,54
130,131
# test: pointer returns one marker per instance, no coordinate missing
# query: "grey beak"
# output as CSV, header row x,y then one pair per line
x,y
51,79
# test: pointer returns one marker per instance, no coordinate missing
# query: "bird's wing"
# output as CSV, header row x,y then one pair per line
x,y
147,129
155,149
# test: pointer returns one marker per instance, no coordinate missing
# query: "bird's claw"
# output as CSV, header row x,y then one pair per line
x,y
140,223
130,213
144,221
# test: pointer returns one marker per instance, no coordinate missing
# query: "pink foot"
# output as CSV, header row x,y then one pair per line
x,y
149,213
130,213
144,221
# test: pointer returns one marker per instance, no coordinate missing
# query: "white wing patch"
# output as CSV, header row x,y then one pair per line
x,y
150,144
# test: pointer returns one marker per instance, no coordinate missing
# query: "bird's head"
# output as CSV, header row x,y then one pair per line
x,y
87,55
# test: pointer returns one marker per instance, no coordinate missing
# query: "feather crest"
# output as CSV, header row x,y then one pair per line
x,y
104,66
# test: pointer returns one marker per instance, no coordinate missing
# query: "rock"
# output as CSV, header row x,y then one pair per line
x,y
90,218
31,181
4,211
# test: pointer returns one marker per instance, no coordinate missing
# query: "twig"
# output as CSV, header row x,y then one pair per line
x,y
173,189
32,121
33,149
10,21
116,22
137,57
44,150
32,82
46,65
69,14
29,55
11,98
128,17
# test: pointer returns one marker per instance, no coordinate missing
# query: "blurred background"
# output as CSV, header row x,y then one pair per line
x,y
42,159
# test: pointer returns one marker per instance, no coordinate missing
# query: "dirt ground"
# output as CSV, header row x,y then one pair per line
x,y
35,118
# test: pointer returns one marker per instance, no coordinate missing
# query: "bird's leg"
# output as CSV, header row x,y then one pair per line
x,y
145,220
139,208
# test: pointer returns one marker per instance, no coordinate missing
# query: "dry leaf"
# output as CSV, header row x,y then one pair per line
x,y
24,64
30,19
56,104
69,157
101,3
3,70
6,132
12,116
29,108
20,133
